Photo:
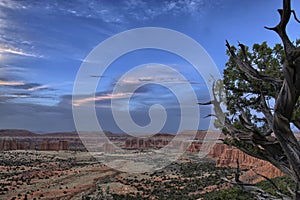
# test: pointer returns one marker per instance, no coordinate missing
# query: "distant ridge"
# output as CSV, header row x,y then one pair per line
x,y
26,133
60,134
16,133
201,134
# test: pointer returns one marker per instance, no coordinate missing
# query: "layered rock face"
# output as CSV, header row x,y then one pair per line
x,y
7,144
227,156
17,144
57,145
26,140
147,143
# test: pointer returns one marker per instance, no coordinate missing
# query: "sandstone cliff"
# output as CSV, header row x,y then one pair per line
x,y
55,145
9,144
227,156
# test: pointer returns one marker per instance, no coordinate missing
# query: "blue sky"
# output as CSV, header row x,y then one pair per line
x,y
43,43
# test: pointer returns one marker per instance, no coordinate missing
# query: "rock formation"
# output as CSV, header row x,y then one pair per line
x,y
54,145
147,143
227,156
10,144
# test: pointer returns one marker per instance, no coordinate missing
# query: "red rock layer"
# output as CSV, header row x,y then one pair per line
x,y
227,156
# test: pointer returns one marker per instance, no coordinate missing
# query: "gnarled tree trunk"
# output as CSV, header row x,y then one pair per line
x,y
289,94
283,150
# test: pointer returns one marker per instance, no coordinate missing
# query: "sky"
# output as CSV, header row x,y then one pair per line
x,y
43,44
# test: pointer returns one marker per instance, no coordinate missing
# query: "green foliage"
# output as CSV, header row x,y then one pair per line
x,y
243,91
266,60
179,181
250,95
281,182
234,193
100,194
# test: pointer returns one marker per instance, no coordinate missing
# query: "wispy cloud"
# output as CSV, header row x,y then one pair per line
x,y
142,87
16,95
145,10
120,11
40,87
27,86
151,73
84,100
11,83
11,4
153,79
19,52
22,91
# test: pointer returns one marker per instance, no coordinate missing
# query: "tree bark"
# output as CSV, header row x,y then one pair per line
x,y
289,94
283,151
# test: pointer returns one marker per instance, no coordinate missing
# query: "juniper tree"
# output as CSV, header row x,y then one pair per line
x,y
262,87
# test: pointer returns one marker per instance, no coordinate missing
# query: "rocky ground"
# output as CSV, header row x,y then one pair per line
x,y
57,166
77,175
49,174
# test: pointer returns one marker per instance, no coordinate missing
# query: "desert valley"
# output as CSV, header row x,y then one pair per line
x,y
58,166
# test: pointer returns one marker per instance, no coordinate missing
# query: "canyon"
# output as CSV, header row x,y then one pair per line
x,y
224,156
